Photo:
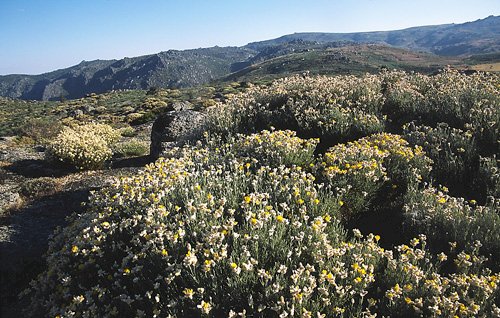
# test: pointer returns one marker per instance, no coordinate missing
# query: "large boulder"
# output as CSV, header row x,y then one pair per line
x,y
174,128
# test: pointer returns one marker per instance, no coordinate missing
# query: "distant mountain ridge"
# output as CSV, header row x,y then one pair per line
x,y
199,66
165,69
478,37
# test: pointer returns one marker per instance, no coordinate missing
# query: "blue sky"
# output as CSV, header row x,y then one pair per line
x,y
38,36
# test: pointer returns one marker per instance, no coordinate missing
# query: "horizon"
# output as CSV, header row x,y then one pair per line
x,y
41,37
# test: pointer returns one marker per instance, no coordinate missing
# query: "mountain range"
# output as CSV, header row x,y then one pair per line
x,y
422,48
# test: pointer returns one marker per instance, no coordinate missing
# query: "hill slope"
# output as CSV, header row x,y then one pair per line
x,y
348,59
477,37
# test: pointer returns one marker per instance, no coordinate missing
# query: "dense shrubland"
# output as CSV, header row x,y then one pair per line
x,y
258,217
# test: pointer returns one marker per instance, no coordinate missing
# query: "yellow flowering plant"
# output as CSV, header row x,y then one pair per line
x,y
450,219
276,148
360,169
85,146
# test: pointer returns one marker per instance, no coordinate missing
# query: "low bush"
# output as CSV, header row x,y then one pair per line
x,y
275,148
487,182
84,147
249,223
452,150
40,130
449,219
131,148
359,169
184,238
327,107
188,237
418,284
128,131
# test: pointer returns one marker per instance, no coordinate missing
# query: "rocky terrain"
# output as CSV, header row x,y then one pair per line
x,y
36,197
173,69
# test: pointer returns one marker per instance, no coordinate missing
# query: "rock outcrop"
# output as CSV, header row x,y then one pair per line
x,y
175,128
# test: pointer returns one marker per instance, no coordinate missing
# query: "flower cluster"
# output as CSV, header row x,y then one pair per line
x,y
449,219
85,146
453,151
469,102
277,147
319,106
418,289
360,168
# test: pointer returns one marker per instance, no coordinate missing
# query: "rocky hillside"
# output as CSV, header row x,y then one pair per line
x,y
174,69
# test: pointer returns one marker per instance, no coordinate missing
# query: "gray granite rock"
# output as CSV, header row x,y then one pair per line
x,y
175,128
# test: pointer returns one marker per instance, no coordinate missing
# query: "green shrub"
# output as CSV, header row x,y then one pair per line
x,y
452,150
197,237
329,107
458,99
467,102
85,147
404,94
39,187
146,117
417,287
187,238
40,130
131,148
244,225
128,131
487,181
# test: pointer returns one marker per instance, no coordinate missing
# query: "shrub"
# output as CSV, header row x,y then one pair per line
x,y
39,187
128,131
142,118
458,99
85,147
452,150
40,130
404,94
151,103
487,182
448,219
251,228
417,287
275,148
219,237
188,237
359,169
131,148
467,102
330,107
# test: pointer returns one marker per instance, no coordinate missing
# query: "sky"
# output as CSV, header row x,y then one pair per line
x,y
38,36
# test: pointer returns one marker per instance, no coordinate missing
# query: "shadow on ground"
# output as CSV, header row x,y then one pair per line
x,y
132,162
36,168
26,233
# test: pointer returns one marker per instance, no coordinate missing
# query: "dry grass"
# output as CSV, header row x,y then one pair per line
x,y
487,67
